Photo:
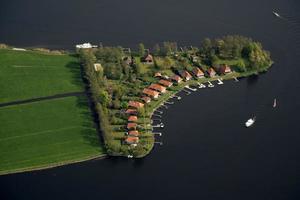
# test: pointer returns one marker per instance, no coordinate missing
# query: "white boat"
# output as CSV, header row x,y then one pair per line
x,y
250,122
276,14
210,85
274,103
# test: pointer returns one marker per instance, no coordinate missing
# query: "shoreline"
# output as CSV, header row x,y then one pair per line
x,y
181,86
60,164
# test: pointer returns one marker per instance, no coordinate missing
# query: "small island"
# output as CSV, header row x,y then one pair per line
x,y
126,87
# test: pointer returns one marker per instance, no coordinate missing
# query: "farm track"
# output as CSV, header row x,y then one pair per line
x,y
57,96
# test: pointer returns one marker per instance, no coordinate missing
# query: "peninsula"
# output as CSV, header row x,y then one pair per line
x,y
126,86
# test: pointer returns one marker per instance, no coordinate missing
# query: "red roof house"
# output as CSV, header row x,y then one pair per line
x,y
151,93
224,69
132,140
165,83
185,75
135,104
157,87
198,72
133,133
131,111
132,118
131,126
146,99
211,72
176,78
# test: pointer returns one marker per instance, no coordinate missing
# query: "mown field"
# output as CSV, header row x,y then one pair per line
x,y
28,74
46,133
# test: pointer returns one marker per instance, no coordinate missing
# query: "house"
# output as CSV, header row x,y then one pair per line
x,y
224,69
185,75
194,58
98,67
135,104
176,79
128,60
211,72
146,99
131,111
158,88
132,140
157,74
148,59
131,126
86,46
165,83
151,93
198,72
134,133
132,118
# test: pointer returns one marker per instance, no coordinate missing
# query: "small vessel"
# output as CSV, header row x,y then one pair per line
x,y
276,14
250,122
274,103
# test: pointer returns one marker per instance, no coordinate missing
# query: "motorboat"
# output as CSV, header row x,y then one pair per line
x,y
274,103
276,14
250,122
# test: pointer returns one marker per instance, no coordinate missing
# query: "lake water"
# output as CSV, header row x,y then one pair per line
x,y
207,153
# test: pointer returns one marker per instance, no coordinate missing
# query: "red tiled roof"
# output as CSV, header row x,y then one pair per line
x,y
151,93
131,111
136,104
132,118
157,74
198,72
176,78
211,71
185,74
165,83
133,133
157,87
146,99
131,125
132,140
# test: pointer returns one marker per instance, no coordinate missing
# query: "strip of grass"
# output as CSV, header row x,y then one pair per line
x,y
28,74
46,133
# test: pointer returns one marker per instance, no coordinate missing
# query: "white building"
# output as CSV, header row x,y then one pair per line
x,y
85,46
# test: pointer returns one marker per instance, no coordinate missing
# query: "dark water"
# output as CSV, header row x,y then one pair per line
x,y
207,153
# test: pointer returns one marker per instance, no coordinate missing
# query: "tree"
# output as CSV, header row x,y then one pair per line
x,y
156,49
104,98
141,49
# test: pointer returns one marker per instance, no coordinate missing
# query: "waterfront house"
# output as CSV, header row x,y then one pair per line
x,y
194,58
131,126
224,69
134,133
132,140
147,59
98,67
158,88
128,60
132,118
165,83
146,99
151,93
211,72
131,111
135,104
176,79
198,72
185,75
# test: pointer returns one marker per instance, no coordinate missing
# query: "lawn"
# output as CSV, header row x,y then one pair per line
x,y
47,133
29,74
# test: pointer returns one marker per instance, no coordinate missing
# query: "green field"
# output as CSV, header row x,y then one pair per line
x,y
28,74
46,133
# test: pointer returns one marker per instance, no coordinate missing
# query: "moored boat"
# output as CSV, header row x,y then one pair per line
x,y
250,122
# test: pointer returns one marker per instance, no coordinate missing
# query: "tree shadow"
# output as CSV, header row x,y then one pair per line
x,y
75,69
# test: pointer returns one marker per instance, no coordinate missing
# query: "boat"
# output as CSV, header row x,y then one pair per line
x,y
276,14
250,122
274,103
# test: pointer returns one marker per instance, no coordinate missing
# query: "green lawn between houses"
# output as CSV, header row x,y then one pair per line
x,y
31,74
46,133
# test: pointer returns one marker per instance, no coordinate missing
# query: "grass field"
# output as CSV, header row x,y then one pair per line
x,y
46,133
28,74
